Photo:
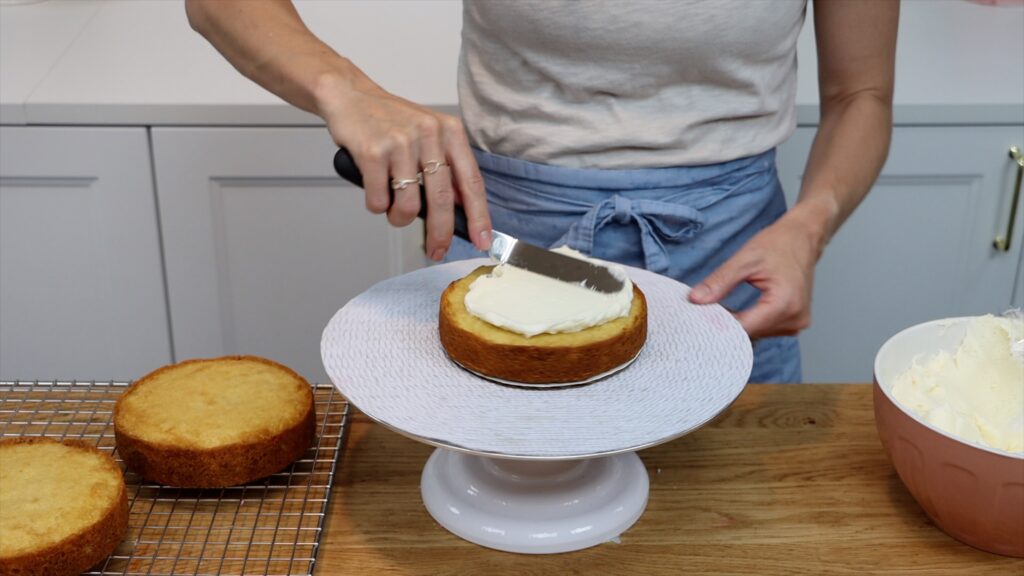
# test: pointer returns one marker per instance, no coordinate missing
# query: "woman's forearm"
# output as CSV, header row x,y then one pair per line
x,y
847,154
849,151
390,138
856,63
268,43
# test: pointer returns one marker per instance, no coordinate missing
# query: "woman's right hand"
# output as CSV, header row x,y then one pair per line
x,y
393,139
389,138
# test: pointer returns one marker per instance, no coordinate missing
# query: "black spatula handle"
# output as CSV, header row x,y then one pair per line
x,y
346,167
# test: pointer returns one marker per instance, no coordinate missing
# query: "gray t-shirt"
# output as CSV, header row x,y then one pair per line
x,y
629,84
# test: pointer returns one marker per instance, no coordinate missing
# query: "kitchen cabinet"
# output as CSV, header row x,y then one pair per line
x,y
920,247
1018,286
263,242
81,285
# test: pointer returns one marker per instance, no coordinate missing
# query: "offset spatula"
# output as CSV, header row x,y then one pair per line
x,y
506,249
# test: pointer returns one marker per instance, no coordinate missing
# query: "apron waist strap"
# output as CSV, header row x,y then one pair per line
x,y
656,220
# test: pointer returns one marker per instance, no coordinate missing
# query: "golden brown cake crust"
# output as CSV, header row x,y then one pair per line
x,y
87,546
230,465
541,359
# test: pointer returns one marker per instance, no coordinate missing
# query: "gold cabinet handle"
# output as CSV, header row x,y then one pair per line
x,y
1003,242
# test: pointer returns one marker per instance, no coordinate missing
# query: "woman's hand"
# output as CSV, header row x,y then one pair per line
x,y
856,62
389,138
393,139
779,261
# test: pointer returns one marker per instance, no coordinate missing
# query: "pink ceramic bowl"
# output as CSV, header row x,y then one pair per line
x,y
973,492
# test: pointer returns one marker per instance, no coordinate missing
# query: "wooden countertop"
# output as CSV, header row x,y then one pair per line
x,y
791,479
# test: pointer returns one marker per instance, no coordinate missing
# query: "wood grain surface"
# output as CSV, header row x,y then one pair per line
x,y
792,479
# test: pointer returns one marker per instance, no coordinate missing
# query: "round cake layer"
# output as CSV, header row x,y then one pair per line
x,y
214,422
541,359
63,506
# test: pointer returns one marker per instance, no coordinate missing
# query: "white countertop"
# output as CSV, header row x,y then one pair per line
x,y
118,62
32,40
139,62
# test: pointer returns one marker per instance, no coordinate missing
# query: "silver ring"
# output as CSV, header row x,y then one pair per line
x,y
402,184
433,166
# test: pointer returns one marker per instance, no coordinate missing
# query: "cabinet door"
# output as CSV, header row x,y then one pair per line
x,y
81,284
918,248
263,242
1018,285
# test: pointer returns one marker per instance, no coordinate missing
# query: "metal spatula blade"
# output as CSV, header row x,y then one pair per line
x,y
506,249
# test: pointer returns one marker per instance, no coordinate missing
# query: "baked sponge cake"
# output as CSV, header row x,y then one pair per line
x,y
63,506
514,353
216,422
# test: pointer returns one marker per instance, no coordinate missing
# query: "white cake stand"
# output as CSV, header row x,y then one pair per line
x,y
533,470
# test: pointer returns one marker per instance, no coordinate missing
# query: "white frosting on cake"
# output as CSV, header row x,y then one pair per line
x,y
527,303
976,392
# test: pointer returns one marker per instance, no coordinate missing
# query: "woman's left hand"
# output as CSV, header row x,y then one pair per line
x,y
779,261
856,63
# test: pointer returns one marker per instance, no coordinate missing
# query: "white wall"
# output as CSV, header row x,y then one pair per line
x,y
410,47
140,63
949,51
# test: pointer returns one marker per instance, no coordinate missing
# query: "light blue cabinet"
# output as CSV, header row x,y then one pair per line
x,y
264,242
920,247
81,286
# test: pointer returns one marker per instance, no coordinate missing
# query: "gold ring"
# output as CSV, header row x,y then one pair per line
x,y
403,183
433,166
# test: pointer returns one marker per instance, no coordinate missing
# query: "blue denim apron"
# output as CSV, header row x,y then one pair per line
x,y
679,222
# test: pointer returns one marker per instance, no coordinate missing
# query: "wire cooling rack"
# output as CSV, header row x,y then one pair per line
x,y
271,526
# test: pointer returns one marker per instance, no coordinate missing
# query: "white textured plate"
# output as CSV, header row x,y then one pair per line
x,y
382,351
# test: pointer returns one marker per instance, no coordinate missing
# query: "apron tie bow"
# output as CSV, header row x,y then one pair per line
x,y
657,221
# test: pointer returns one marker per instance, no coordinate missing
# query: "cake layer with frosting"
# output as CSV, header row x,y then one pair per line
x,y
529,304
